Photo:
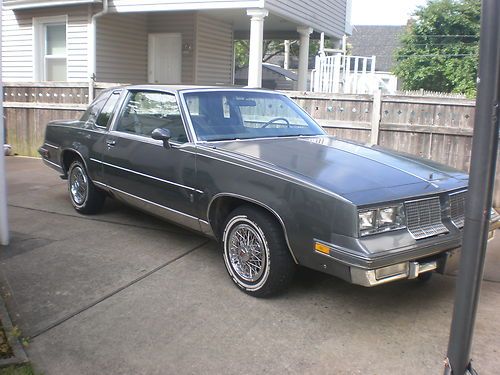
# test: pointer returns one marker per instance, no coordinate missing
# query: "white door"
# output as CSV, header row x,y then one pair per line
x,y
164,58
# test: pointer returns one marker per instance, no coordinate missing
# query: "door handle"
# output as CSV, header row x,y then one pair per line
x,y
110,142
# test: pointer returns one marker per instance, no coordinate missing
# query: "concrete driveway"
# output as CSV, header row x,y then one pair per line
x,y
124,293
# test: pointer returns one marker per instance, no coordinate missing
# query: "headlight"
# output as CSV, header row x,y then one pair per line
x,y
381,219
366,220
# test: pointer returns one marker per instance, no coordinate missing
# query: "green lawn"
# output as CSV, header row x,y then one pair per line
x,y
18,370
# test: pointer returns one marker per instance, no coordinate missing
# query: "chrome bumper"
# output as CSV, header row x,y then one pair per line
x,y
409,270
446,263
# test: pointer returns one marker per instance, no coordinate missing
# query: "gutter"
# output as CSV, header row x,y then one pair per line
x,y
92,47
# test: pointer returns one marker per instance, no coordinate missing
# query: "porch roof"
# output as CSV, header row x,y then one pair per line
x,y
32,4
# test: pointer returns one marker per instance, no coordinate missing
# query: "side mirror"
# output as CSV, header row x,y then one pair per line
x,y
162,134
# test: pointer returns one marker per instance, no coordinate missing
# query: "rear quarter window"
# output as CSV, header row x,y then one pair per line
x,y
90,115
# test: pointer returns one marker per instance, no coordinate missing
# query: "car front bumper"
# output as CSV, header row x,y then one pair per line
x,y
445,262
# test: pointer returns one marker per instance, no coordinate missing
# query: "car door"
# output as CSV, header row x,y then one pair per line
x,y
140,170
99,119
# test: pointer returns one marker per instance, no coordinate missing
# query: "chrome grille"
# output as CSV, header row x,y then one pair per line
x,y
457,208
423,218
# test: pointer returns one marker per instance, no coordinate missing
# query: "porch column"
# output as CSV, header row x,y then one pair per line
x,y
304,33
256,42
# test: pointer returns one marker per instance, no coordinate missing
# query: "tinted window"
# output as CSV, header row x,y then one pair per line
x,y
93,110
107,111
145,111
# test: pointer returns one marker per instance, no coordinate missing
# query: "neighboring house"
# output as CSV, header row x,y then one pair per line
x,y
157,41
381,42
274,77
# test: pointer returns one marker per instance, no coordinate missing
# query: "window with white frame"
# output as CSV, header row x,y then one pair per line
x,y
51,58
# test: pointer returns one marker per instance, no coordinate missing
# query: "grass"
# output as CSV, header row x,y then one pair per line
x,y
5,349
25,369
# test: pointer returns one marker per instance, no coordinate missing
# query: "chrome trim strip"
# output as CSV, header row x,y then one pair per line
x,y
100,184
51,145
53,164
458,192
257,203
153,203
148,176
276,173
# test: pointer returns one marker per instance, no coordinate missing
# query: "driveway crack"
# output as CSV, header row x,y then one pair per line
x,y
114,292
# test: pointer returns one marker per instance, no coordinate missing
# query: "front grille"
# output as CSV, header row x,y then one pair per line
x,y
457,208
423,218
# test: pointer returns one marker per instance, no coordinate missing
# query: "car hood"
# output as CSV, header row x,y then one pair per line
x,y
361,173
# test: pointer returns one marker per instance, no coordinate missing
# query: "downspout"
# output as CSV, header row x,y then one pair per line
x,y
92,46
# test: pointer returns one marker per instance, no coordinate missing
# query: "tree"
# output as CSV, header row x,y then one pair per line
x,y
440,48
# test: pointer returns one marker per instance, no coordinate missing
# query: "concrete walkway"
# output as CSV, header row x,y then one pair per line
x,y
124,293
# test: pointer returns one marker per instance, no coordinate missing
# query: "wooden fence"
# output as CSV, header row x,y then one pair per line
x,y
436,128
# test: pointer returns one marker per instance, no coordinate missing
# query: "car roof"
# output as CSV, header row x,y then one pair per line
x,y
179,88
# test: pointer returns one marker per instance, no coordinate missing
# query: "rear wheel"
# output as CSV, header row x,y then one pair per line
x,y
255,252
85,196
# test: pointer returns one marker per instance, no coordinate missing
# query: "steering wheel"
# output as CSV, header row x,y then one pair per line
x,y
273,120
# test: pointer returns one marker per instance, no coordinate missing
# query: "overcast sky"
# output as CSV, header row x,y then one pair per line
x,y
383,12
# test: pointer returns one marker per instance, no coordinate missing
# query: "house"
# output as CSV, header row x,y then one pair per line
x,y
381,42
156,41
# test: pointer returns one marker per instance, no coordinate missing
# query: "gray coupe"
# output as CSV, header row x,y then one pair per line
x,y
253,170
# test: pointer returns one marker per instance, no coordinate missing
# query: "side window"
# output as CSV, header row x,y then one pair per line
x,y
144,111
93,110
107,111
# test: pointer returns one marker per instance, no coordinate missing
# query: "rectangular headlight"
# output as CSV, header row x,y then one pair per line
x,y
381,219
367,220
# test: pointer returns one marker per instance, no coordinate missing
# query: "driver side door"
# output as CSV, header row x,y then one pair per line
x,y
140,170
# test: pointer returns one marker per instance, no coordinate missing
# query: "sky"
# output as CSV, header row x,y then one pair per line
x,y
383,12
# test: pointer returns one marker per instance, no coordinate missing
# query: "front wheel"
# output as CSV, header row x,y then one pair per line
x,y
255,252
85,197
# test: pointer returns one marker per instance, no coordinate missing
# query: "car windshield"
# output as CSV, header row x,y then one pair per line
x,y
238,114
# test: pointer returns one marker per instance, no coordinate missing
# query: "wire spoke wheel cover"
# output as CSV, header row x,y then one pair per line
x,y
246,253
78,185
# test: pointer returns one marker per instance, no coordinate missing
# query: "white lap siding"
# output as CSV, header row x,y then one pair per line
x,y
18,49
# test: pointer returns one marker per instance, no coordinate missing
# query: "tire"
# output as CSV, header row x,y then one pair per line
x,y
85,197
255,252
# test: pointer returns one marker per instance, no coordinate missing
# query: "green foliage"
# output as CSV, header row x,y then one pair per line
x,y
25,369
440,48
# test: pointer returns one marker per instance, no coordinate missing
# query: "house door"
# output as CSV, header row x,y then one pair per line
x,y
164,58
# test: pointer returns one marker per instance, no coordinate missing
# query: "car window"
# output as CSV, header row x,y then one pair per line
x,y
107,111
93,110
239,114
145,111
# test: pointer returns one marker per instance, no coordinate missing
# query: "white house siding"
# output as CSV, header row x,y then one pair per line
x,y
18,48
178,22
122,48
214,51
169,5
327,16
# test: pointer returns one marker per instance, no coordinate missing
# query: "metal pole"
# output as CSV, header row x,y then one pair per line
x,y
4,229
479,198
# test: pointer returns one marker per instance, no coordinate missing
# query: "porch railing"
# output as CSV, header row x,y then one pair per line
x,y
345,74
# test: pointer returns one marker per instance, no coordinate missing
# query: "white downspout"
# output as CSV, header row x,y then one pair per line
x,y
92,46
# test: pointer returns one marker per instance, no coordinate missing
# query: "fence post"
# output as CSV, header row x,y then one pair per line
x,y
376,116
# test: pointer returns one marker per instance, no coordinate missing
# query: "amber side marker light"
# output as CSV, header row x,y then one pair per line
x,y
319,247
